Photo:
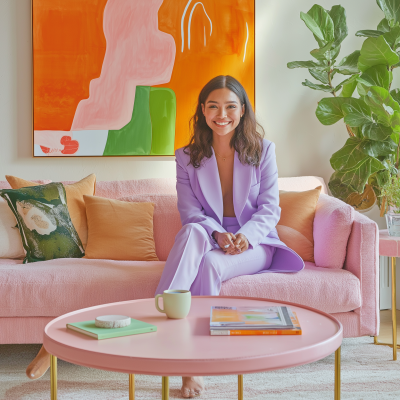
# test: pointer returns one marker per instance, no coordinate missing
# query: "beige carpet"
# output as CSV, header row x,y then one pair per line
x,y
368,373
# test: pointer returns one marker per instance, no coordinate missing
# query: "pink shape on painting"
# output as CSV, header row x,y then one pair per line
x,y
137,54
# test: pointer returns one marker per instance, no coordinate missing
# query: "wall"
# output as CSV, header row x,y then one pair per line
x,y
284,107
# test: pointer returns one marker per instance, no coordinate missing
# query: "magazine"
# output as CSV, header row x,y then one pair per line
x,y
247,332
252,318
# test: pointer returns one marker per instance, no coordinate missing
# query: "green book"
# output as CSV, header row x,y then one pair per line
x,y
89,328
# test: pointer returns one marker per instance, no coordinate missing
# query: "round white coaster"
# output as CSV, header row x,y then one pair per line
x,y
112,321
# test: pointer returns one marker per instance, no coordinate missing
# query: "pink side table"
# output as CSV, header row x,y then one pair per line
x,y
185,347
389,246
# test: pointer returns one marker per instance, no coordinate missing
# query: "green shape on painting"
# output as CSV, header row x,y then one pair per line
x,y
163,116
135,137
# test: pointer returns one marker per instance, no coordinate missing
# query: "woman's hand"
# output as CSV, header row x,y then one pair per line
x,y
225,239
241,243
236,244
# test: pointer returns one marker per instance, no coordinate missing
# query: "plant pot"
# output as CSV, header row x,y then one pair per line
x,y
393,223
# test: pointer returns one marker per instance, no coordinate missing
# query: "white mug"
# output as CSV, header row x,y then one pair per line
x,y
176,303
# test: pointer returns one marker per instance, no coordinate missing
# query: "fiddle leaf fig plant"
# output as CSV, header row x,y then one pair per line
x,y
359,86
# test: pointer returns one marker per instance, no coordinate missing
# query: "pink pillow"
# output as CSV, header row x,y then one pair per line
x,y
332,226
166,220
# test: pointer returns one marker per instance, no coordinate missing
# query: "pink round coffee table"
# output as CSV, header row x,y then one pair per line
x,y
185,347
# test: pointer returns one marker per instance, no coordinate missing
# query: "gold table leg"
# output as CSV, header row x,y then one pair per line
x,y
394,345
337,374
394,321
131,387
240,387
165,388
53,377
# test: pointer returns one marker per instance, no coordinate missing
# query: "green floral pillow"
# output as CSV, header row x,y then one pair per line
x,y
44,222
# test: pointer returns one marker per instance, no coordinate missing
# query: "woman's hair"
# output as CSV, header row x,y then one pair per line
x,y
247,139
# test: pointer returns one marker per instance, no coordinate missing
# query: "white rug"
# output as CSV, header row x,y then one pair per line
x,y
368,373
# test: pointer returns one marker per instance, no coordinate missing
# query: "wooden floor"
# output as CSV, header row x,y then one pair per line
x,y
385,333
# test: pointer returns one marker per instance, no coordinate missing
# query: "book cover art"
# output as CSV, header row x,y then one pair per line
x,y
273,317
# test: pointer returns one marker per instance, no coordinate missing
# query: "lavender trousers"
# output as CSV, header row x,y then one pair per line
x,y
197,264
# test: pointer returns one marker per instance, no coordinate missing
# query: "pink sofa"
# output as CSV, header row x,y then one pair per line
x,y
343,281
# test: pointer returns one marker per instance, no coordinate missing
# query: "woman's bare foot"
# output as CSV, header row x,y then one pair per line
x,y
192,386
40,364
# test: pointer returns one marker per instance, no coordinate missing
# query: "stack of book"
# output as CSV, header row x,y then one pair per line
x,y
226,321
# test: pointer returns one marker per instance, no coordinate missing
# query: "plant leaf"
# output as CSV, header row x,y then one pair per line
x,y
329,110
324,88
343,183
349,86
376,131
312,26
381,104
302,64
348,66
324,22
338,15
321,76
356,151
376,51
383,26
395,93
335,52
356,112
321,54
395,121
393,37
391,9
378,75
369,33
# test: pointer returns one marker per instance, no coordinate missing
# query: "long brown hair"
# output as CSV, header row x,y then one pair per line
x,y
247,139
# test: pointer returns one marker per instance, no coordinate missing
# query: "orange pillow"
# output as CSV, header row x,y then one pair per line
x,y
75,202
295,228
118,230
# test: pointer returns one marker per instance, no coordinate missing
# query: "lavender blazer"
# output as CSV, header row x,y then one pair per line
x,y
255,201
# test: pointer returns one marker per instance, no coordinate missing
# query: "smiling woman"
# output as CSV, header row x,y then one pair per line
x,y
228,200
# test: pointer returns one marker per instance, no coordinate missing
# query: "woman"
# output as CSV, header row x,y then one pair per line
x,y
228,200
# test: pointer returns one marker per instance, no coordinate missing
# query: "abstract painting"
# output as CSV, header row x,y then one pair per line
x,y
122,77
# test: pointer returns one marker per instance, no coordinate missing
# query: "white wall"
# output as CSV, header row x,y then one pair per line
x,y
284,106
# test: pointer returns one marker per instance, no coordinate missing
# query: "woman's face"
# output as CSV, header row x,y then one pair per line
x,y
222,111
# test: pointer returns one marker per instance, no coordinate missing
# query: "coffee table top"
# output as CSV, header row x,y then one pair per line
x,y
185,346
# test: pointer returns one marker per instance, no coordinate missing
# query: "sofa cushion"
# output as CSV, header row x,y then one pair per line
x,y
166,219
332,226
44,222
10,238
6,185
329,290
76,205
55,287
119,230
295,227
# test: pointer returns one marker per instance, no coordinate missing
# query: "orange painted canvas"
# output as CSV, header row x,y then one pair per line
x,y
122,77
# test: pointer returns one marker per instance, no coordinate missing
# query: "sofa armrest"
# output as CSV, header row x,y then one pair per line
x,y
362,259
